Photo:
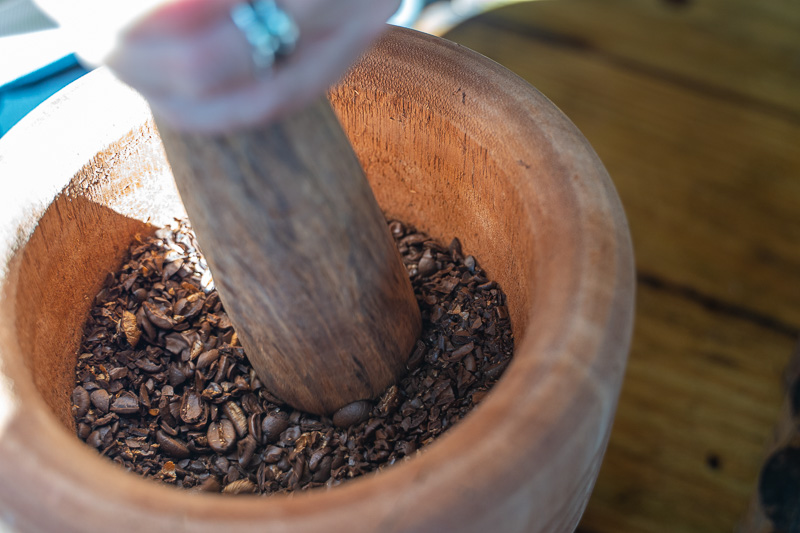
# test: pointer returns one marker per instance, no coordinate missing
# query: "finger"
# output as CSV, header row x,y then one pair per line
x,y
159,60
209,62
308,73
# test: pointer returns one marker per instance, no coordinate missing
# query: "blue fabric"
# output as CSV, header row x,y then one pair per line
x,y
20,96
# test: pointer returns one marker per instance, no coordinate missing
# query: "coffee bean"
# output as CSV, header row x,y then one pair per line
x,y
273,454
192,407
469,262
289,436
397,229
172,447
241,486
212,392
80,402
130,328
83,430
126,404
176,375
210,484
351,414
221,436
175,343
273,425
246,447
469,363
157,317
254,426
494,371
148,365
236,416
458,354
206,358
197,349
427,266
417,356
95,439
118,373
100,399
315,461
389,401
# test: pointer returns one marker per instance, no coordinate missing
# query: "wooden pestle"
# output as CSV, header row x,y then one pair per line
x,y
301,256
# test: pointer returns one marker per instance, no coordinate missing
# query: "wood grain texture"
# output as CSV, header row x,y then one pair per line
x,y
552,232
712,180
697,406
775,504
693,108
301,256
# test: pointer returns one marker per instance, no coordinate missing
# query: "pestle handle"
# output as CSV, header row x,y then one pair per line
x,y
301,256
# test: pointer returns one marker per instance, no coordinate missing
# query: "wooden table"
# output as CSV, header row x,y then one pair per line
x,y
694,106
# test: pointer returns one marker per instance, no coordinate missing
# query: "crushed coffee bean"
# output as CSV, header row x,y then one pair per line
x,y
164,389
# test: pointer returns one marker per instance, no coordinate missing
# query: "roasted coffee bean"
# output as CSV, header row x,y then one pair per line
x,y
273,454
174,343
210,484
80,402
352,414
197,349
397,229
148,365
469,363
389,401
316,458
126,404
199,403
241,486
323,470
83,430
289,436
469,262
221,436
157,317
236,416
493,372
175,375
250,403
130,328
273,425
427,265
459,353
206,358
118,373
455,249
212,392
417,356
101,399
246,447
170,446
192,408
95,439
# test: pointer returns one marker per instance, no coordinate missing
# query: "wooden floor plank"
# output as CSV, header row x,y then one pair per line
x,y
684,404
711,188
743,49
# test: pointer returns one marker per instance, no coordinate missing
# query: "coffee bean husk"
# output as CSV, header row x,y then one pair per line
x,y
164,389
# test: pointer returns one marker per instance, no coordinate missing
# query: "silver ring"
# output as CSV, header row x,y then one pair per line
x,y
269,30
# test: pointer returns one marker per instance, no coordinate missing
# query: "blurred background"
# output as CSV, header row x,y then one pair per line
x,y
694,107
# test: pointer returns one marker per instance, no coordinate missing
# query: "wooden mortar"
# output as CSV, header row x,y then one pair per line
x,y
450,142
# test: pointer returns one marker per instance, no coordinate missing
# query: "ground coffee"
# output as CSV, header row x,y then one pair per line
x,y
165,390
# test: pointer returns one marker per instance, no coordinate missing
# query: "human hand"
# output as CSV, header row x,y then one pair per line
x,y
194,66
